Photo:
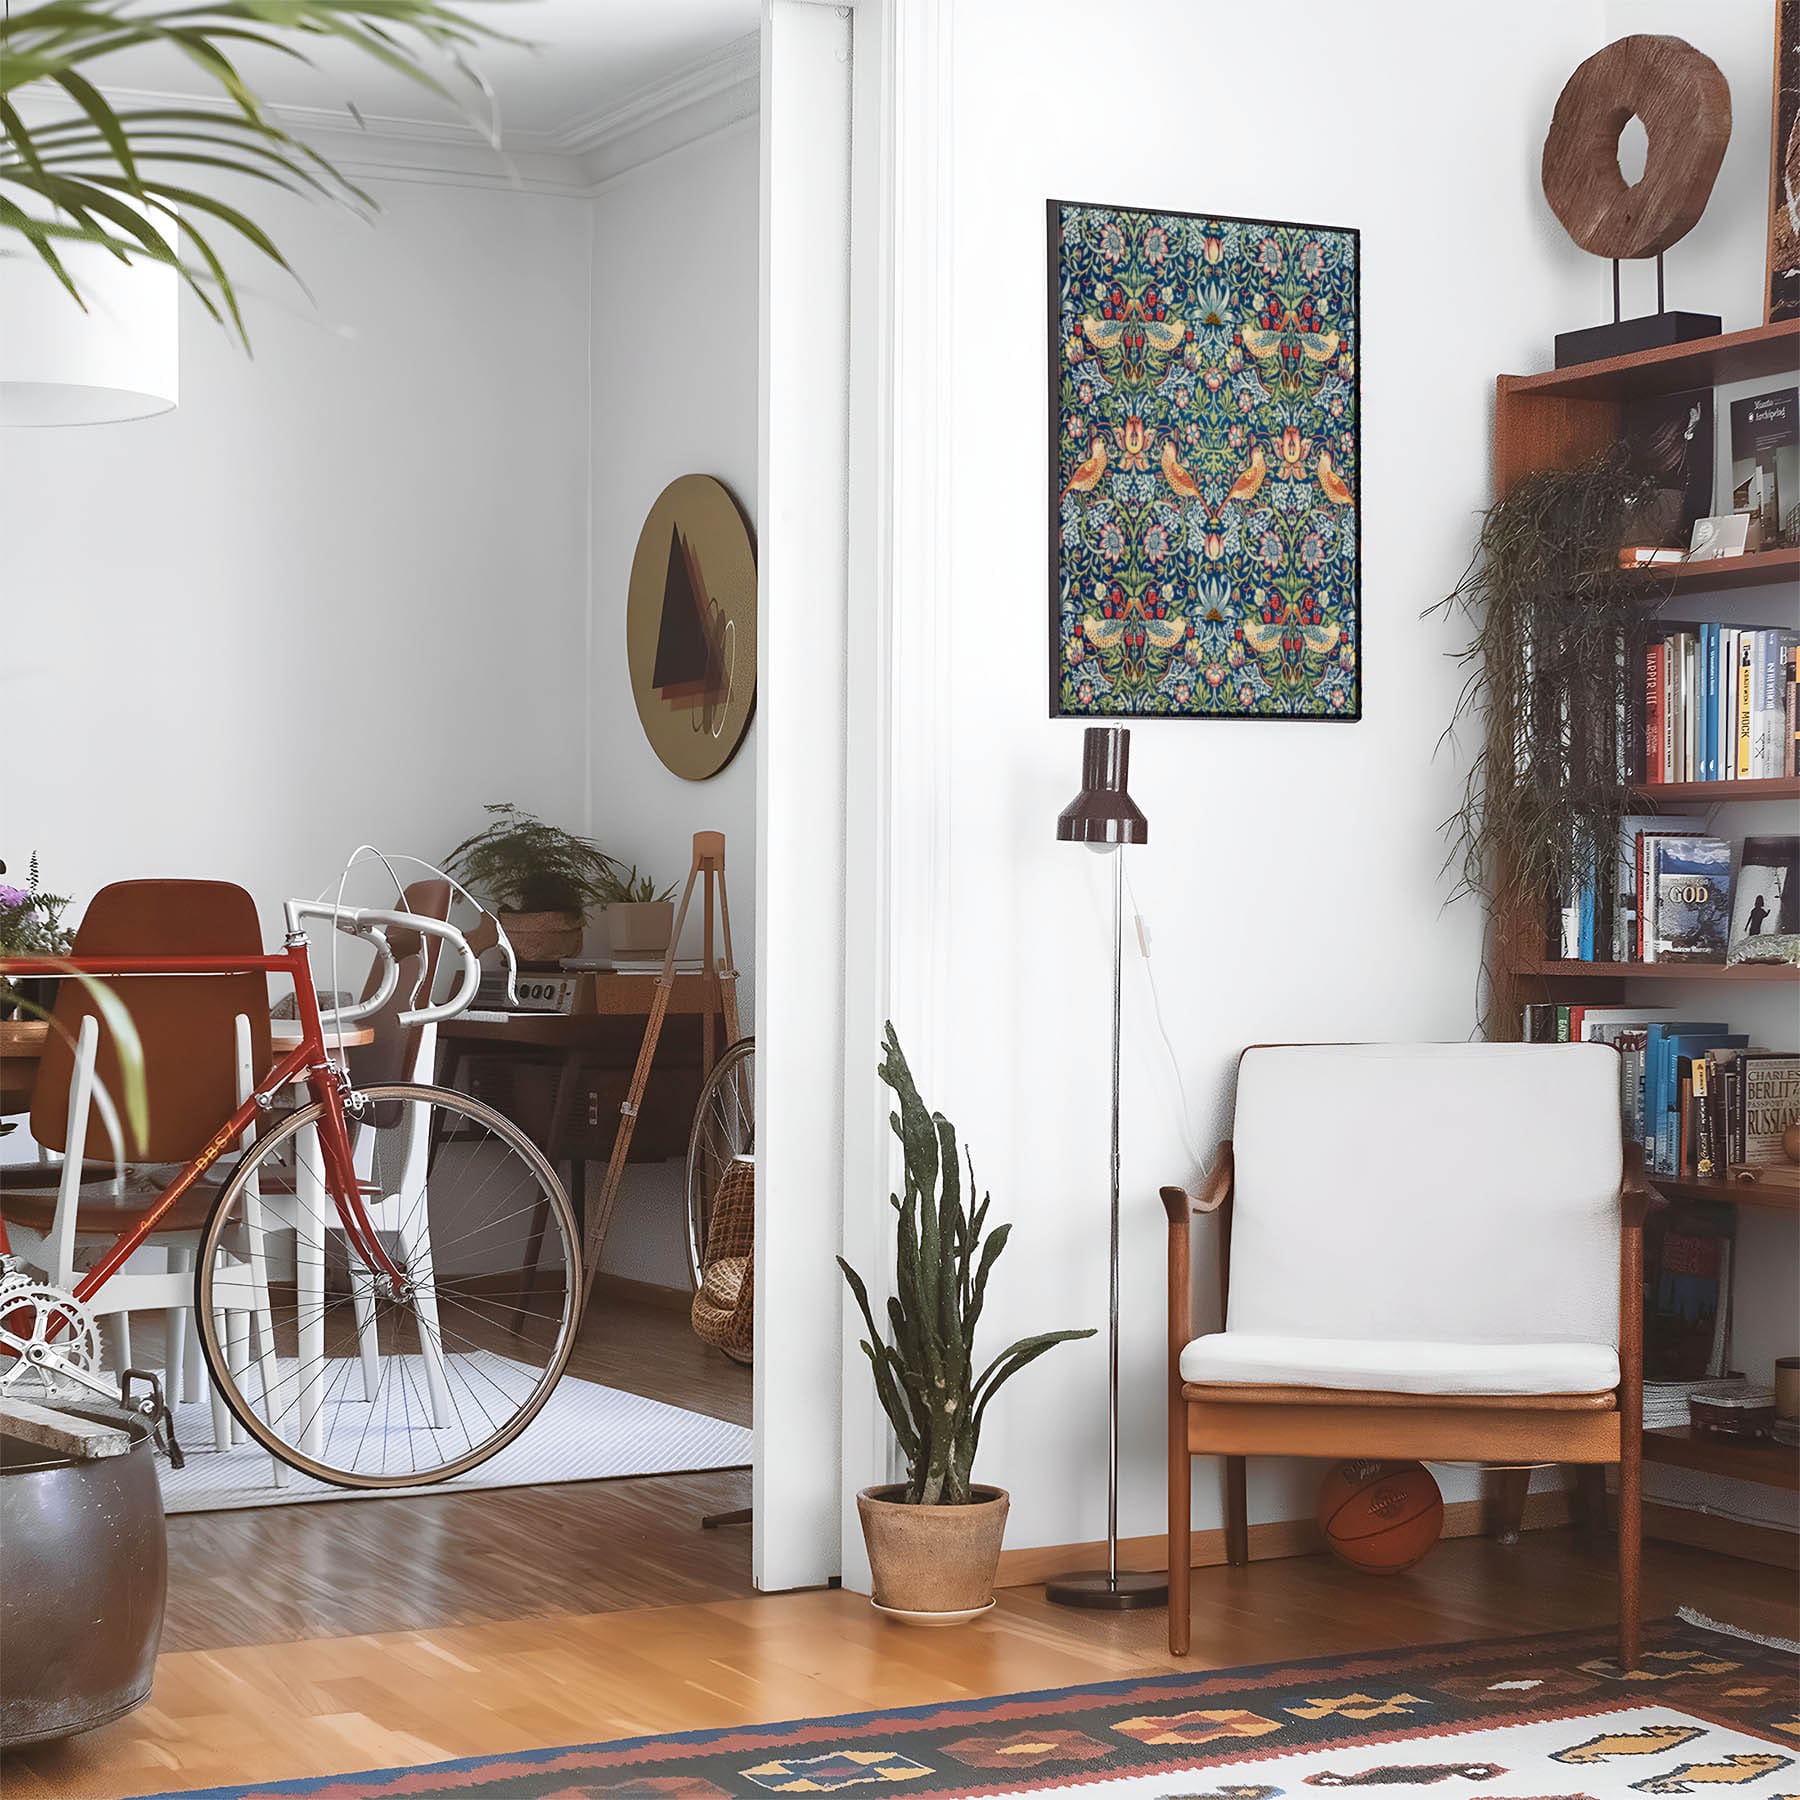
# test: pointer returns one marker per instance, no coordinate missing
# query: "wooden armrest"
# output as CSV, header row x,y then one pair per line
x,y
1179,1204
1636,1196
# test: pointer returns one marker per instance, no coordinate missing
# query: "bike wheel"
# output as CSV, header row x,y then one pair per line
x,y
724,1126
333,1367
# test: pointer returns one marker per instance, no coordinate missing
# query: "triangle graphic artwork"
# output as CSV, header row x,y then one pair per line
x,y
689,672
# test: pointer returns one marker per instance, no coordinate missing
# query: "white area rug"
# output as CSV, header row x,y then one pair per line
x,y
586,1432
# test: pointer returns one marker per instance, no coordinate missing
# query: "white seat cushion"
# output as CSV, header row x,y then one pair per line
x,y
1395,1366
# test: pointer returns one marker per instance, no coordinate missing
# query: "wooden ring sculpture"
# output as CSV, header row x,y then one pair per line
x,y
1684,102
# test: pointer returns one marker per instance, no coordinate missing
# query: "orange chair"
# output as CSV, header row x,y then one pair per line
x,y
202,1040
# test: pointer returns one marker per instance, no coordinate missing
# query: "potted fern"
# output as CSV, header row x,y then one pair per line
x,y
934,1539
542,878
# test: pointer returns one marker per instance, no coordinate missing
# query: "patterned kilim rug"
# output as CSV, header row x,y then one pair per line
x,y
1543,1718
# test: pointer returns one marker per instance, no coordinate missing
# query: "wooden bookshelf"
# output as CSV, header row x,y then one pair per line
x,y
1766,1197
1551,970
1763,350
1559,420
1759,568
1744,1459
1712,793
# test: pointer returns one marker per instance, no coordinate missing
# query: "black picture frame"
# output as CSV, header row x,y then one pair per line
x,y
1054,208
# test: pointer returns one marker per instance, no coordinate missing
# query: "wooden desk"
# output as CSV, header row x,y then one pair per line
x,y
561,1077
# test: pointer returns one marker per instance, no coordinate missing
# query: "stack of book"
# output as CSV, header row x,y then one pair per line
x,y
1699,1097
1677,894
1666,1402
1718,704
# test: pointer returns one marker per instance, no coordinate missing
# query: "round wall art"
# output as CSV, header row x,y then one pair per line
x,y
690,626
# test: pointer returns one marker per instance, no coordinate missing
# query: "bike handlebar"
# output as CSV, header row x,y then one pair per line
x,y
373,924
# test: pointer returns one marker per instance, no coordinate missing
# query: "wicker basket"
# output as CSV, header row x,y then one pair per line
x,y
722,1312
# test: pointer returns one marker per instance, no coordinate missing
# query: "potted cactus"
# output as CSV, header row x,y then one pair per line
x,y
934,1539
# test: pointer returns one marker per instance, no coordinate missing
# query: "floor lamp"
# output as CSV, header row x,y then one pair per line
x,y
1104,817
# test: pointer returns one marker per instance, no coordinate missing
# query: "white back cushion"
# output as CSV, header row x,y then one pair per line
x,y
1457,1192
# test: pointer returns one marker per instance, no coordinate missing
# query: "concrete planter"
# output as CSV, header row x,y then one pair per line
x,y
81,1606
933,1565
542,939
640,928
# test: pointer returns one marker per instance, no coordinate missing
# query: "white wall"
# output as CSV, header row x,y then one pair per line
x,y
410,519
1292,879
376,527
674,347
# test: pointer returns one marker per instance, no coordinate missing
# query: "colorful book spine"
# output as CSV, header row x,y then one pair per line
x,y
1741,767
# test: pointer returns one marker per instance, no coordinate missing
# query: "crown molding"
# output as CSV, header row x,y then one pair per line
x,y
706,96
723,74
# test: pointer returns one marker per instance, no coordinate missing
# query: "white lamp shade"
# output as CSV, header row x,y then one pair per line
x,y
61,366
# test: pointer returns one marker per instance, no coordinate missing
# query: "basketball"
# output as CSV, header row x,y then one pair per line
x,y
1380,1517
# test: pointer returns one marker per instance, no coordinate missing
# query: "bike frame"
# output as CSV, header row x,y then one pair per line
x,y
308,1061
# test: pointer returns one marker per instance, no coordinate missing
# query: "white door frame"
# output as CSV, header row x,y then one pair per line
x,y
852,811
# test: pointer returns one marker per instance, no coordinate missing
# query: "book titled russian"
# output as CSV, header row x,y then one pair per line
x,y
1690,885
1770,1099
1765,459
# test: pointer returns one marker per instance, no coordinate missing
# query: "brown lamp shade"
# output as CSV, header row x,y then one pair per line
x,y
1103,812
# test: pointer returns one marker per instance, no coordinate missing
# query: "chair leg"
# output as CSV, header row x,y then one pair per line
x,y
1181,1536
175,1329
1590,1499
222,1421
1630,1554
368,1341
1506,1502
1237,1512
115,1334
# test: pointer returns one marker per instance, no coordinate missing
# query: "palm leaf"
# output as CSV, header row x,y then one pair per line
x,y
81,168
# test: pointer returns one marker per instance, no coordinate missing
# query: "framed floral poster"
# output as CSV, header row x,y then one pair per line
x,y
1205,545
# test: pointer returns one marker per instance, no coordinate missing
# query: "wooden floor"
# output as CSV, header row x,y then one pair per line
x,y
319,1639
278,1574
336,1704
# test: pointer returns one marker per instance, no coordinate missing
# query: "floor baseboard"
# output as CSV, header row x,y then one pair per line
x,y
1271,1538
1731,1537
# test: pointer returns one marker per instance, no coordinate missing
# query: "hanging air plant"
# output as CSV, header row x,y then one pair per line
x,y
1549,679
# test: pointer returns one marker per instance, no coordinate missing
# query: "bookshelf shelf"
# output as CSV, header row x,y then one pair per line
x,y
1770,1197
1775,787
1758,1460
1760,568
1764,350
1656,971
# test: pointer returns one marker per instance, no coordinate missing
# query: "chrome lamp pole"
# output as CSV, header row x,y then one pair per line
x,y
1104,817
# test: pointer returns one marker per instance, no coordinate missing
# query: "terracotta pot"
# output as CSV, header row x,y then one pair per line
x,y
933,1559
542,939
640,928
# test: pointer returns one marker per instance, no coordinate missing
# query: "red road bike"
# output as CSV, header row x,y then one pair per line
x,y
388,1279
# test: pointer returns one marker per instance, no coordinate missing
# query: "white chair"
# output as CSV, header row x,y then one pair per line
x,y
399,1052
1426,1251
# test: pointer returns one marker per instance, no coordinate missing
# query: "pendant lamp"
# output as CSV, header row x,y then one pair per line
x,y
59,365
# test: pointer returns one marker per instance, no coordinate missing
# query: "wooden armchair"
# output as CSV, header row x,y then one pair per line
x,y
1428,1251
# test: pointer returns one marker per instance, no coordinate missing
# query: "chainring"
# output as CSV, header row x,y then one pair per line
x,y
34,1312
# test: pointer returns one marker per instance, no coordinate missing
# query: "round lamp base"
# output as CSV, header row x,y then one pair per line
x,y
1099,1592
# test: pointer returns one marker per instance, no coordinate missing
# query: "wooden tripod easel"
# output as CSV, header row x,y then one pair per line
x,y
720,996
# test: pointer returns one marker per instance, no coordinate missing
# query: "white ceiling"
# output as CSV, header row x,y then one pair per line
x,y
588,61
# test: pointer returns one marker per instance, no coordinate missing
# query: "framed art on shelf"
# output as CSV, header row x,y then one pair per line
x,y
1204,468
